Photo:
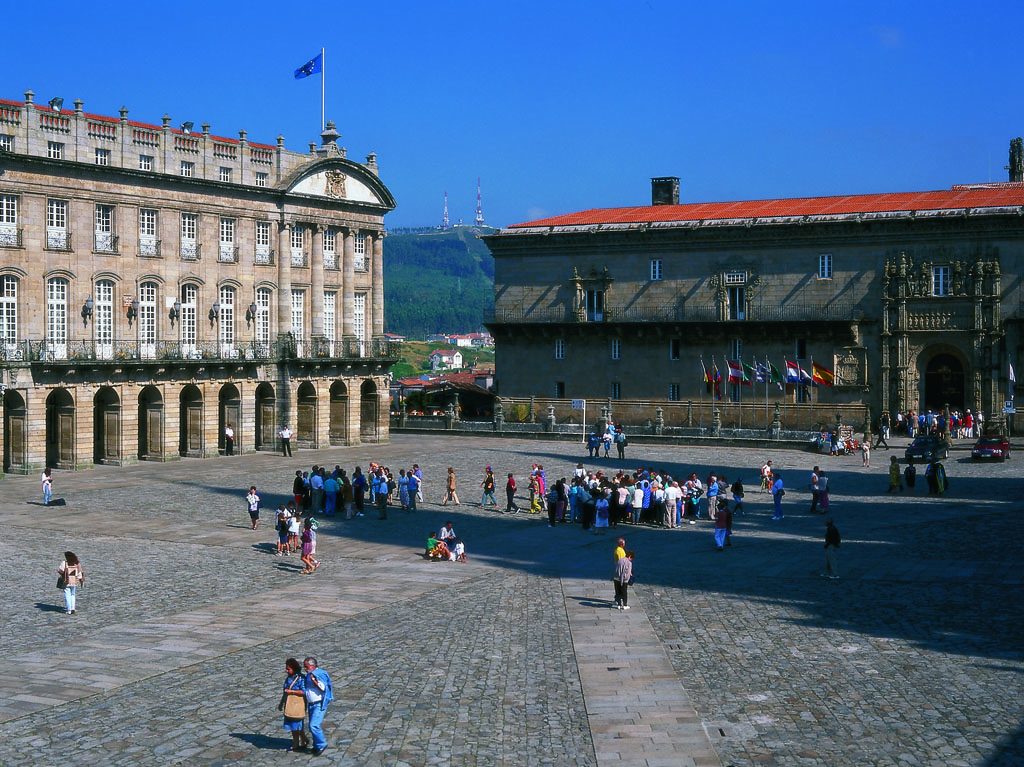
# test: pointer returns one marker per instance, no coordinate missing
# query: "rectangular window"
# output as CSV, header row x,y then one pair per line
x,y
559,348
595,305
559,389
189,227
673,392
298,314
55,150
263,317
675,349
6,143
225,175
735,278
188,318
57,225
9,220
145,162
188,169
104,229
360,252
330,315
57,317
226,322
825,266
359,320
801,348
8,310
616,348
940,280
147,319
737,302
298,245
227,240
261,179
656,269
263,242
103,157
735,349
103,319
616,390
148,244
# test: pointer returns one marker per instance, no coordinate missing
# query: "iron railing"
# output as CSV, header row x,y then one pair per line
x,y
681,313
58,240
190,251
104,242
264,256
78,350
149,248
11,236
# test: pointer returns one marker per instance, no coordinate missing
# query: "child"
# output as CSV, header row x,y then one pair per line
x,y
282,531
895,485
459,552
910,474
737,496
253,502
294,529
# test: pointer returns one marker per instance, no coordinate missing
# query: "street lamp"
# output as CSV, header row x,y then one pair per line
x,y
250,314
175,312
214,312
87,310
133,311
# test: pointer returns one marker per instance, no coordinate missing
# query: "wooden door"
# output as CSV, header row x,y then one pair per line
x,y
368,418
154,432
268,430
66,439
194,430
305,432
15,443
111,435
339,421
233,416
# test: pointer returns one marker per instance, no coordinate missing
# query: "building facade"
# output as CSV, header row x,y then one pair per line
x,y
160,284
913,300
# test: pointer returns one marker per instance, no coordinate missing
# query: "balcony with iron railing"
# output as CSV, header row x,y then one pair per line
x,y
227,253
134,351
346,348
105,242
330,259
190,250
264,255
149,247
11,236
299,257
513,315
58,239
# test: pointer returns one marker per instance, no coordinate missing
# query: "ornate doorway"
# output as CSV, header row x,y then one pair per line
x,y
945,383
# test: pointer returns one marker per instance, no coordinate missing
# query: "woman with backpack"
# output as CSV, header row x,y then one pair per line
x,y
70,575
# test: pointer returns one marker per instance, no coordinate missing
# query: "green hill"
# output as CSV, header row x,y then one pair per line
x,y
437,282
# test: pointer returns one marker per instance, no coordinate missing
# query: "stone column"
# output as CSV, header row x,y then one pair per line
x,y
284,279
316,281
348,284
378,282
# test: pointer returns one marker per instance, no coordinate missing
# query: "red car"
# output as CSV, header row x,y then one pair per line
x,y
995,447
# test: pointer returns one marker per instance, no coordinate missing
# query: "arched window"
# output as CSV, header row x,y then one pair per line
x,y
103,319
57,318
147,320
187,320
9,312
226,321
263,299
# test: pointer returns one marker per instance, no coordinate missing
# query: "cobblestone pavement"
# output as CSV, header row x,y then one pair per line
x,y
747,657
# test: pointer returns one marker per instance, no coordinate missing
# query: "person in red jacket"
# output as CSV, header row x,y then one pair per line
x,y
510,494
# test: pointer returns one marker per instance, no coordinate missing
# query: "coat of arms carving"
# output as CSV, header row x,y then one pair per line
x,y
335,183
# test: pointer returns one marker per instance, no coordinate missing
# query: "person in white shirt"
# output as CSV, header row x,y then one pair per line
x,y
672,496
286,441
229,440
447,533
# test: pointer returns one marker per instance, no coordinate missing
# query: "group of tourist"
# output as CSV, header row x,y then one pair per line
x,y
612,436
960,425
306,694
445,545
934,474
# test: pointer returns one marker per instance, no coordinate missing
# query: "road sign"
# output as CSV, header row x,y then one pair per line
x,y
579,404
1008,408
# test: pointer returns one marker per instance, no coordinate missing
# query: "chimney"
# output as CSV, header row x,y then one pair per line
x,y
665,190
1016,166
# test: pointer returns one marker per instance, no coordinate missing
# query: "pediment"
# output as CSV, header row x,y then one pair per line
x,y
341,180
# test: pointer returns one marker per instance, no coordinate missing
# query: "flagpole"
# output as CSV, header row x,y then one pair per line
x,y
323,87
767,380
739,395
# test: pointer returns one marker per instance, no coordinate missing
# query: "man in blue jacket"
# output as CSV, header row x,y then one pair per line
x,y
319,694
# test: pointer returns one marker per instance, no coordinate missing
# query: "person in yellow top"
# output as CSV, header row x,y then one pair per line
x,y
620,549
895,482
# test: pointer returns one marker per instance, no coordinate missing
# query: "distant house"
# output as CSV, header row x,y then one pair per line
x,y
480,340
445,359
437,338
395,338
463,340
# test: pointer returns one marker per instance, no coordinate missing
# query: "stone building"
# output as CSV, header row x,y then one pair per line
x,y
912,299
158,284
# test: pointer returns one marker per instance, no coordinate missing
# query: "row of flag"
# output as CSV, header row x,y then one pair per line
x,y
740,372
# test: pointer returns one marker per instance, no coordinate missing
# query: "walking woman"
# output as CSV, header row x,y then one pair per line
x,y
450,494
623,576
293,704
70,575
309,548
46,480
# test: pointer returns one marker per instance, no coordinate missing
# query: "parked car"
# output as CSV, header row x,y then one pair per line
x,y
927,448
995,447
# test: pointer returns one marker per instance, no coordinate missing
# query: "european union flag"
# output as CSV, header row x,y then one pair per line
x,y
314,66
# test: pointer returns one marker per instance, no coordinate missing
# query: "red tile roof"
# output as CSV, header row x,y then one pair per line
x,y
961,197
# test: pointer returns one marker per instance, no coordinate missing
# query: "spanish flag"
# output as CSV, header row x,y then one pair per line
x,y
821,375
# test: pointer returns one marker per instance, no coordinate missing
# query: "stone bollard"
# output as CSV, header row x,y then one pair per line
x,y
689,413
449,416
716,422
649,426
403,414
549,419
531,416
659,420
499,415
775,429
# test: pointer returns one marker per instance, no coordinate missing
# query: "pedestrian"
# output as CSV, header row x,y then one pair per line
x,y
403,490
70,575
824,490
418,473
46,481
331,488
252,500
286,441
815,489
895,486
883,431
316,490
488,486
309,547
293,704
283,517
450,488
778,493
737,496
910,474
298,488
601,510
865,451
723,526
832,540
294,531
414,488
620,444
766,477
319,694
229,440
510,495
622,579
358,490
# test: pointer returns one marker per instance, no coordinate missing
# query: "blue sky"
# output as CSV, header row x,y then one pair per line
x,y
562,106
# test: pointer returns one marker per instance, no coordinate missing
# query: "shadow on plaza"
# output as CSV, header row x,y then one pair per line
x,y
266,742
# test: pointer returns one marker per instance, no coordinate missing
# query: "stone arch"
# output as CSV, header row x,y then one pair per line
x,y
369,411
338,429
266,417
229,411
106,426
15,432
151,424
60,429
306,415
190,428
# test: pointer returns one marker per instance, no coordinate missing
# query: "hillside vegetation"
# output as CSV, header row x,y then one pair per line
x,y
414,358
437,282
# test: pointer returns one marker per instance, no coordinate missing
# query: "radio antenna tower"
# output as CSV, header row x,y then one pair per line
x,y
479,204
444,218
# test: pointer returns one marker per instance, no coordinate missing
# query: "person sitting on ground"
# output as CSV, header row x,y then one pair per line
x,y
447,533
